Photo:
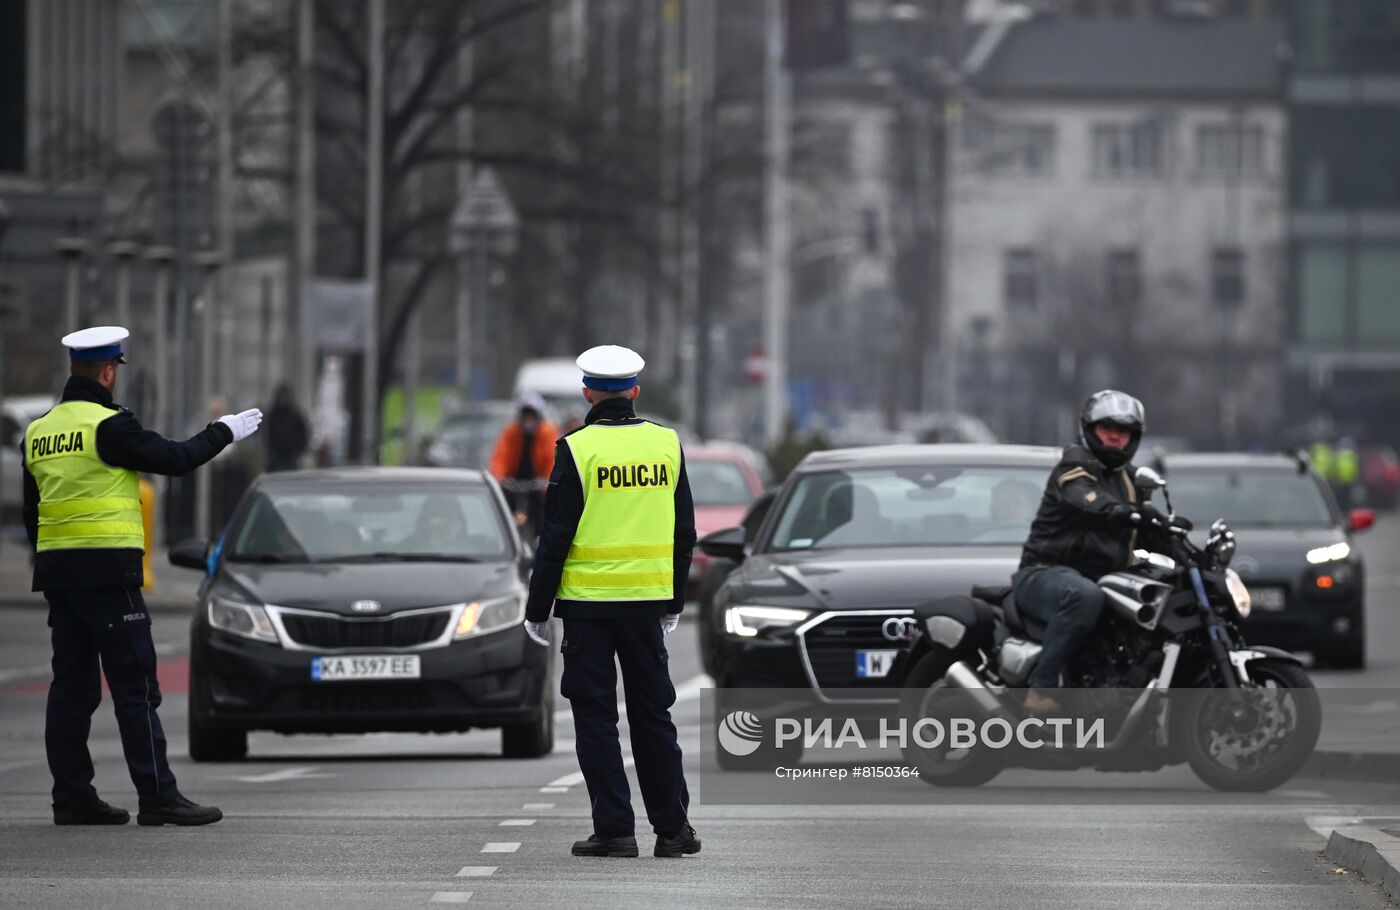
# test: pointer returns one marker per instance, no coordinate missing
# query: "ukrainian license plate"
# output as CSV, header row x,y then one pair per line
x,y
874,664
1271,599
365,666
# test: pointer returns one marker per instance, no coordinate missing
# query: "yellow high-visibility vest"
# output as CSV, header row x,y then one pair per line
x,y
83,502
624,546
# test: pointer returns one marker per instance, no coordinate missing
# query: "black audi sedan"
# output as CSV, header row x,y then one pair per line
x,y
1295,554
854,540
365,599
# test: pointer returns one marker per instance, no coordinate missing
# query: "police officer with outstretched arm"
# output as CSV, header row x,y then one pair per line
x,y
614,552
83,516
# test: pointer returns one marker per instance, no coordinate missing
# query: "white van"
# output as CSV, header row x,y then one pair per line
x,y
557,380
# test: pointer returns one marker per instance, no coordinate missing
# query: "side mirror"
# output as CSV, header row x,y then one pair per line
x,y
1361,519
727,543
1148,479
190,554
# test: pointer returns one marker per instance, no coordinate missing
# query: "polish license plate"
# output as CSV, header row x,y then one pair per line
x,y
365,666
1271,599
874,664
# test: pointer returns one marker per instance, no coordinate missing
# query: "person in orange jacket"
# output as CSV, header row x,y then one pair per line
x,y
523,460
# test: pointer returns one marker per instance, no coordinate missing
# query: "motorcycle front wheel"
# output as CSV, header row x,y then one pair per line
x,y
1252,739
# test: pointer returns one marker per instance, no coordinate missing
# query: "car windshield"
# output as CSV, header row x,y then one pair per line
x,y
717,483
937,505
354,522
1268,497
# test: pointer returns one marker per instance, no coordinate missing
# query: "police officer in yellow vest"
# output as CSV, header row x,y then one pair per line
x,y
613,556
83,518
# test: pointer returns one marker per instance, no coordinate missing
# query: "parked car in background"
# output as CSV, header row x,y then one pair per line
x,y
1380,475
725,479
468,434
1294,552
365,599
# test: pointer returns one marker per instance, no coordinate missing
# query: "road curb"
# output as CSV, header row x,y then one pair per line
x,y
1328,764
1369,851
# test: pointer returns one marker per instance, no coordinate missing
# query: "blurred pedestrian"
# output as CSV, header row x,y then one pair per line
x,y
288,434
612,563
82,513
523,459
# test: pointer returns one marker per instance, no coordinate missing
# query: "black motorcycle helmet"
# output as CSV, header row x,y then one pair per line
x,y
1119,409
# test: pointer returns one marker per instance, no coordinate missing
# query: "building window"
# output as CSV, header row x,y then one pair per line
x,y
1322,293
1230,150
1227,277
1124,279
1021,285
1013,149
1378,293
1128,149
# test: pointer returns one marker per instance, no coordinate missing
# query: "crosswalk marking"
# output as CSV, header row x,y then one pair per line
x,y
477,871
501,847
452,897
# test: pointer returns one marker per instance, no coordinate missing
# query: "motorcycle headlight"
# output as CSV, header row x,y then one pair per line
x,y
247,620
482,617
747,620
1239,592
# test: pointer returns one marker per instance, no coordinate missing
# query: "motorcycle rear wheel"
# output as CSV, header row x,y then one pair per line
x,y
941,766
1198,730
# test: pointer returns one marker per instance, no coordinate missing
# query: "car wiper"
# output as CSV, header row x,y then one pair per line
x,y
266,558
398,557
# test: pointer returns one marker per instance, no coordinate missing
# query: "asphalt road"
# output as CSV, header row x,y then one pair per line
x,y
403,821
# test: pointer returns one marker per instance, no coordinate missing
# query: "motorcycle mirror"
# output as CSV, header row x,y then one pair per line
x,y
1148,479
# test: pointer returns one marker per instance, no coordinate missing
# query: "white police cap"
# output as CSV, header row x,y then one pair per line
x,y
101,342
610,368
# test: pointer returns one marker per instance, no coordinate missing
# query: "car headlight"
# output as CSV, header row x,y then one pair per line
x,y
247,620
482,617
1240,593
1331,553
748,620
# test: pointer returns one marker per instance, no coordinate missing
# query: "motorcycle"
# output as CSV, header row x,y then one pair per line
x,y
1168,670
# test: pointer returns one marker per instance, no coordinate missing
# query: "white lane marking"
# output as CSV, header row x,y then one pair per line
x,y
686,691
272,777
1301,794
15,765
1324,824
452,897
537,807
24,673
501,847
517,823
572,780
477,871
554,789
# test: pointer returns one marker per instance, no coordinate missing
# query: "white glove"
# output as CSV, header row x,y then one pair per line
x,y
669,623
536,632
243,424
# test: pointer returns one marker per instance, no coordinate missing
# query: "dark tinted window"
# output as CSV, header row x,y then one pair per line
x,y
1262,497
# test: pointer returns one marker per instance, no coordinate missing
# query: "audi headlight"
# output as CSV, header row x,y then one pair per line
x,y
247,620
748,620
482,617
1239,592
1333,553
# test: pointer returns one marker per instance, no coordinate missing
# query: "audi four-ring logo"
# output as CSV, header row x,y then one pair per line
x,y
897,628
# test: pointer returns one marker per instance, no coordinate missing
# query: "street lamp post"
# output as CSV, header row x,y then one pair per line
x,y
160,257
123,251
483,222
209,262
71,250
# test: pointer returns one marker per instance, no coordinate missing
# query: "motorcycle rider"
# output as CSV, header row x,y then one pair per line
x,y
1085,528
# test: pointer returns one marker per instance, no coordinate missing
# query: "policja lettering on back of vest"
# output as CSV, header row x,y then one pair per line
x,y
57,444
629,476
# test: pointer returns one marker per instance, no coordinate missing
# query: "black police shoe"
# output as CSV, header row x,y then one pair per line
x,y
678,844
98,813
180,811
605,846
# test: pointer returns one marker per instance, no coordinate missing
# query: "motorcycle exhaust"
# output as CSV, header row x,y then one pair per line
x,y
961,676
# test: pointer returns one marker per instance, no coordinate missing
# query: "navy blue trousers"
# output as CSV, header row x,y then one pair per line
x,y
590,684
1070,606
110,627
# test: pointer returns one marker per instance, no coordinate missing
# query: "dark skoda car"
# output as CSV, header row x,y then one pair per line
x,y
359,600
1295,553
856,539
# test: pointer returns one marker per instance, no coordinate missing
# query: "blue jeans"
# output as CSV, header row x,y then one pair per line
x,y
1070,606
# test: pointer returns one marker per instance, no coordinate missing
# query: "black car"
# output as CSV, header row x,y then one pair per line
x,y
365,599
853,541
1306,580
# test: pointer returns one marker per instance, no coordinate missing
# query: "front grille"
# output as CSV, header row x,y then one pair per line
x,y
831,645
373,697
335,632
